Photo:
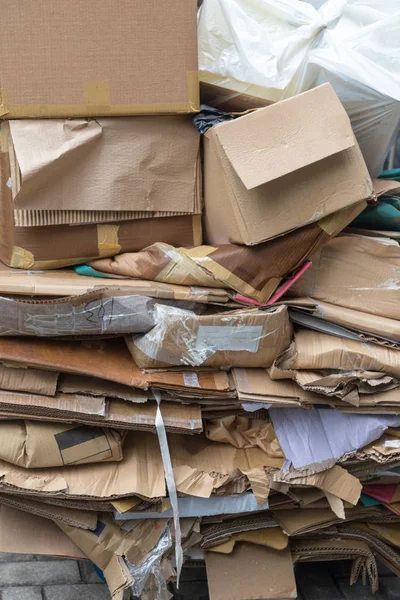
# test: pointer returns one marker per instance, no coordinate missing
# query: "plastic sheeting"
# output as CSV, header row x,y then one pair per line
x,y
273,49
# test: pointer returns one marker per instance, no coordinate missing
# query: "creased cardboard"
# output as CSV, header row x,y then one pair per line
x,y
244,338
97,165
254,272
355,272
274,569
37,445
64,282
250,177
25,533
317,351
63,77
95,313
242,432
140,473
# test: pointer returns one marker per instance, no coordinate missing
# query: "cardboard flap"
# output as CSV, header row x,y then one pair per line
x,y
276,140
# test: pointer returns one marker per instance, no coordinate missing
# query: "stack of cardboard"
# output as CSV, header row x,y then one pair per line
x,y
169,399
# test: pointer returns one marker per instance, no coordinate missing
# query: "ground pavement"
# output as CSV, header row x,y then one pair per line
x,y
28,577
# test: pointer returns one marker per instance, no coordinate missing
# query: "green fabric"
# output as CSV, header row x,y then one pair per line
x,y
367,501
390,174
382,216
88,271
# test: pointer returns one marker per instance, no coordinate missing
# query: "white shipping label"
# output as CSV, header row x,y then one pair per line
x,y
220,338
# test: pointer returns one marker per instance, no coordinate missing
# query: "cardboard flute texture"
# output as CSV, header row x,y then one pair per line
x,y
152,68
251,178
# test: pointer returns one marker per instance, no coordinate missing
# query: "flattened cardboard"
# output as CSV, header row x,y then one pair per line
x,y
25,533
95,313
236,572
355,323
38,445
91,386
355,272
63,282
34,381
134,165
84,519
140,473
243,338
250,176
146,72
317,351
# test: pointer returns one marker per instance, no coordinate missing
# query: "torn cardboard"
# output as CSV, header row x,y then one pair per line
x,y
34,381
145,73
245,338
250,177
37,445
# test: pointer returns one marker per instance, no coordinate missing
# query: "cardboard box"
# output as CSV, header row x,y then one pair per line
x,y
152,67
34,247
256,165
243,338
33,381
355,272
37,445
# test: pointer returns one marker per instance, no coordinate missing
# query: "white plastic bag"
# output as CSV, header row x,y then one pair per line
x,y
273,49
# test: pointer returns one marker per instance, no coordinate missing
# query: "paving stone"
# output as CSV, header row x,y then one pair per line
x,y
88,573
77,592
358,591
390,586
39,573
12,557
315,582
21,593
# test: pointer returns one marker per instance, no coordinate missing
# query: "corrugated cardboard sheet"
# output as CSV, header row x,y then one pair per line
x,y
25,533
241,338
355,272
96,313
61,75
251,177
136,164
37,445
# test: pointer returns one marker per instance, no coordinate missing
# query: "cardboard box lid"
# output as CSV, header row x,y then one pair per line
x,y
25,533
251,573
279,139
152,67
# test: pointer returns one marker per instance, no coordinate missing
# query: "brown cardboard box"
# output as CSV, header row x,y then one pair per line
x,y
243,338
355,272
37,445
281,167
72,72
28,247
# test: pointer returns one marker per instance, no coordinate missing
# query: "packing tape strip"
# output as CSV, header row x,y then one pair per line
x,y
107,240
3,103
333,224
21,258
169,477
193,90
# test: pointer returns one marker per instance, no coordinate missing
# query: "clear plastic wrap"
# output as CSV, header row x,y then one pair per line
x,y
273,49
149,573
